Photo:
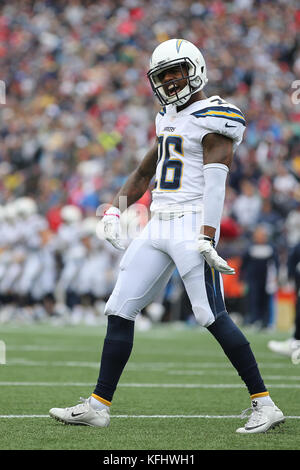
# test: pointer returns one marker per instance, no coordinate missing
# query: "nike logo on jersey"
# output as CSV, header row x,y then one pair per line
x,y
169,129
227,125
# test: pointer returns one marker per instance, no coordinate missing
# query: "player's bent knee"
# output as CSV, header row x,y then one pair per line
x,y
126,311
204,316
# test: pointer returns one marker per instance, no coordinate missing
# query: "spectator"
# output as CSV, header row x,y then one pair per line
x,y
293,226
270,219
79,109
246,207
259,271
292,344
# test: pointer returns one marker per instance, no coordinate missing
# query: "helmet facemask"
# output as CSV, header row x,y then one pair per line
x,y
180,96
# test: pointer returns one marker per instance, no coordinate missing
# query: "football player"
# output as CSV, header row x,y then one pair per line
x,y
69,248
196,139
291,346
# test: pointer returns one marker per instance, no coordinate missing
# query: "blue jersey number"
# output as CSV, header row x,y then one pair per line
x,y
172,166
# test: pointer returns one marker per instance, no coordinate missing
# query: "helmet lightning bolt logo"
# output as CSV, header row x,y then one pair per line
x,y
178,44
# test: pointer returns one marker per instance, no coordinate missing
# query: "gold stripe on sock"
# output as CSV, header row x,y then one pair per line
x,y
258,395
105,402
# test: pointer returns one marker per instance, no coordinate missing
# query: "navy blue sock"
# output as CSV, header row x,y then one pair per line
x,y
115,354
237,349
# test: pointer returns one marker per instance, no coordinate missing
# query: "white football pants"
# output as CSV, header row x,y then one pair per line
x,y
149,262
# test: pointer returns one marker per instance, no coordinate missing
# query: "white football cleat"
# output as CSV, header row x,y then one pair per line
x,y
83,413
286,347
262,418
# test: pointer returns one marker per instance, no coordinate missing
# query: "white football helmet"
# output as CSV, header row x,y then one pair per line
x,y
70,214
88,227
170,54
10,212
25,206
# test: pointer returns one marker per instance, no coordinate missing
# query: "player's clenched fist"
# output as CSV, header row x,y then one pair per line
x,y
112,227
205,246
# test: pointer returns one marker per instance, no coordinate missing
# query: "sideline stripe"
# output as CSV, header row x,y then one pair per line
x,y
141,385
147,416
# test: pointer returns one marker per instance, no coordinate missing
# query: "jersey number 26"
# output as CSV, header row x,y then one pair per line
x,y
172,166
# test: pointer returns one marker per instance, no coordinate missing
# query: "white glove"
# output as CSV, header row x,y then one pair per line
x,y
207,250
112,227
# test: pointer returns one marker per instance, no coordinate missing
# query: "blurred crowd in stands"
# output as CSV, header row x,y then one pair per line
x,y
79,116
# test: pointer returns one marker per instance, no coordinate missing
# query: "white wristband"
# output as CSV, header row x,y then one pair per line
x,y
113,211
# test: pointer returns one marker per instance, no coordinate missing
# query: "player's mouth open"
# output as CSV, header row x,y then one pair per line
x,y
173,89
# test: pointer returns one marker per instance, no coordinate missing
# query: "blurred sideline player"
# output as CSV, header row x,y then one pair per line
x,y
196,139
31,225
69,247
27,273
291,346
92,279
83,282
11,261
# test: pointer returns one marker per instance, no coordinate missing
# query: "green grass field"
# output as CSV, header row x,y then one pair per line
x,y
178,392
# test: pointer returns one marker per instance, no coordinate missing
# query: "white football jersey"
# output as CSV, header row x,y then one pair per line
x,y
179,172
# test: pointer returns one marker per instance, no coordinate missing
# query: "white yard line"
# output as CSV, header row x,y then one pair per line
x,y
231,373
147,416
49,348
141,385
155,366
